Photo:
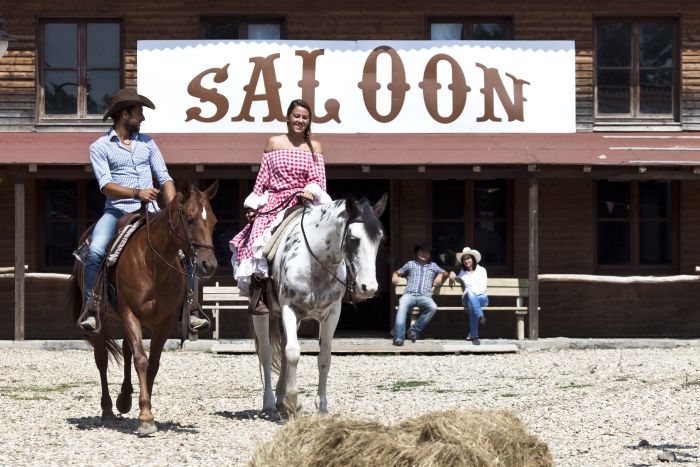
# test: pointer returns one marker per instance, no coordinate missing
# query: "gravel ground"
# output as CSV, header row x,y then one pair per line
x,y
592,407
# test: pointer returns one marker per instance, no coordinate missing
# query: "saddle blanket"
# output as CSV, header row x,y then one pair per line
x,y
120,240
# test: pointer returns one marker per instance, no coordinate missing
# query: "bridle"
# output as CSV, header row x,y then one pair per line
x,y
191,245
349,282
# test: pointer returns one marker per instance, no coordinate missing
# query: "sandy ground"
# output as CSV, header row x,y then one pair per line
x,y
592,407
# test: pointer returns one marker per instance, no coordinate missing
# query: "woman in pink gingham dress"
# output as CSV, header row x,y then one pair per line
x,y
288,165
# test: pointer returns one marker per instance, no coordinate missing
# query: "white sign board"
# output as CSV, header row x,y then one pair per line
x,y
202,86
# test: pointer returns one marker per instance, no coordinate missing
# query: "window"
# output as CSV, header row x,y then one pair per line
x,y
476,29
636,68
636,224
69,207
81,67
226,27
475,214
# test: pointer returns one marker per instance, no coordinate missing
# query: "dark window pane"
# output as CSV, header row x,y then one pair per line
x,y
100,86
446,31
654,200
61,240
489,31
448,199
490,239
61,200
656,44
264,31
61,92
656,91
613,91
490,199
103,45
613,200
221,31
61,45
613,46
613,243
95,202
655,245
448,239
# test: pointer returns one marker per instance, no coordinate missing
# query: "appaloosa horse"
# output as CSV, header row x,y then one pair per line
x,y
330,250
149,284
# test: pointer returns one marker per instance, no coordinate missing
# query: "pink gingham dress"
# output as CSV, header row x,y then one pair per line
x,y
282,173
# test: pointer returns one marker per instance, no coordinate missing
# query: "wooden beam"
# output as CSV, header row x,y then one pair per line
x,y
533,237
618,279
19,260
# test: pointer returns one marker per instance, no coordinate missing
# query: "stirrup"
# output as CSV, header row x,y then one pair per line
x,y
91,309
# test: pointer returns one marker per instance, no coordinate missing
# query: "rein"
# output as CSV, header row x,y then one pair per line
x,y
349,284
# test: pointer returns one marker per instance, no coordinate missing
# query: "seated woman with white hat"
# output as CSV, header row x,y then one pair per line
x,y
474,279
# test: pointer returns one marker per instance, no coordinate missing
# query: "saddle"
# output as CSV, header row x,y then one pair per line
x,y
273,244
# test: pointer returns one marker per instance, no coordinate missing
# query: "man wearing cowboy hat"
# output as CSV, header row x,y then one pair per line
x,y
124,162
474,278
422,276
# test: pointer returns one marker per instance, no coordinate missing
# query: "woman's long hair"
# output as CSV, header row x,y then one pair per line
x,y
307,131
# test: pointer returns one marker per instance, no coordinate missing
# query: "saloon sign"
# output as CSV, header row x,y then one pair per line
x,y
360,87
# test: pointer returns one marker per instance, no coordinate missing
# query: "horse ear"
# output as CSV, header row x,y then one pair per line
x,y
183,185
210,192
379,207
351,207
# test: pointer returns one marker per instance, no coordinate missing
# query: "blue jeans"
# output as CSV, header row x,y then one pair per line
x,y
427,307
473,303
102,235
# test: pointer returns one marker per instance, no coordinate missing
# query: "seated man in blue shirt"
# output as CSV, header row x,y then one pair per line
x,y
422,276
124,162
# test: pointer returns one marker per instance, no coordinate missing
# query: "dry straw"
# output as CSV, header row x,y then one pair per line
x,y
451,438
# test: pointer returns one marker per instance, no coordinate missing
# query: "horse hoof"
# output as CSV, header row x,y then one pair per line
x,y
107,416
146,428
124,403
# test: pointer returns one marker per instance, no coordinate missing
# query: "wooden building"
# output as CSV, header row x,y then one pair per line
x,y
619,197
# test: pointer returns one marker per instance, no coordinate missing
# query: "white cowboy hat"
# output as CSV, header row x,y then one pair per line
x,y
468,251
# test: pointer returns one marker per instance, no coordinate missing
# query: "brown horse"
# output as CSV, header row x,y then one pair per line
x,y
149,282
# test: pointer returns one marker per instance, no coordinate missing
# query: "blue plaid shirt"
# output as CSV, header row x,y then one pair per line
x,y
420,277
113,163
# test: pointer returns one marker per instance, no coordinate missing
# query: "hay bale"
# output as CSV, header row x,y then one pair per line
x,y
451,438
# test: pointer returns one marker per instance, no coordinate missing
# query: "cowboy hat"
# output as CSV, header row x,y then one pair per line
x,y
124,98
468,251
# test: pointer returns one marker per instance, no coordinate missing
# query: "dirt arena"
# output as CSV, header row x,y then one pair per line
x,y
592,407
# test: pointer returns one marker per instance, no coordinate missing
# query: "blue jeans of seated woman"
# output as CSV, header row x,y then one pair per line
x,y
427,306
473,303
102,235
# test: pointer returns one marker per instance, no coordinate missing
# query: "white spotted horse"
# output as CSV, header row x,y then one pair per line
x,y
328,251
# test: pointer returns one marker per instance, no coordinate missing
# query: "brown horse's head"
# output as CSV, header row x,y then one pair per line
x,y
199,221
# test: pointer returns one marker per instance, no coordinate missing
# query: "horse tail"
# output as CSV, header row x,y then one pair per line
x,y
74,301
278,341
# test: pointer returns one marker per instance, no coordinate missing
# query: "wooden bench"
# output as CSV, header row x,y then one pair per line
x,y
217,298
497,287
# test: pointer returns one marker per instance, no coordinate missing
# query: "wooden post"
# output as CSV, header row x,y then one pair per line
x,y
19,260
533,234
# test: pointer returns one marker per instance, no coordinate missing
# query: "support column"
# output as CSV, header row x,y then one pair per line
x,y
533,268
19,260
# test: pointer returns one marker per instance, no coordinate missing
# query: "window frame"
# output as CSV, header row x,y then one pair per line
x,y
635,115
244,20
634,266
468,20
469,219
81,116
